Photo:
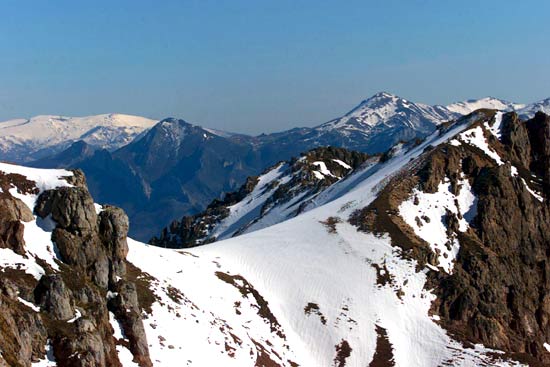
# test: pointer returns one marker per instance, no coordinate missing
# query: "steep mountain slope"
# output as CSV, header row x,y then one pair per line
x,y
430,257
70,157
25,140
279,193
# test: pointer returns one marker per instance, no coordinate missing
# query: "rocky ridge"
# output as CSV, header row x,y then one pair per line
x,y
475,211
279,193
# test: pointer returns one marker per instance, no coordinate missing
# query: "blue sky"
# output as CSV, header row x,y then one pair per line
x,y
259,66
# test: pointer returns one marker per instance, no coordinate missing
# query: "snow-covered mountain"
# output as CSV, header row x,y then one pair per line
x,y
25,140
466,107
387,109
373,126
531,109
436,255
524,110
279,193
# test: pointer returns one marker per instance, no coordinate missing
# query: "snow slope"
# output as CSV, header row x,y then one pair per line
x,y
23,140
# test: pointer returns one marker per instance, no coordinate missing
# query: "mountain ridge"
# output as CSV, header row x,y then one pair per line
x,y
158,182
405,256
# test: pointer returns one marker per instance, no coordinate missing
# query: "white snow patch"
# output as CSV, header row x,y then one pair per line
x,y
98,208
77,315
495,127
118,333
49,358
343,164
38,243
323,168
126,357
45,179
10,259
427,218
29,304
124,354
476,138
537,195
318,175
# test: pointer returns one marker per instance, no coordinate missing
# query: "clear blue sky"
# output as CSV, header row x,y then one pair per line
x,y
254,66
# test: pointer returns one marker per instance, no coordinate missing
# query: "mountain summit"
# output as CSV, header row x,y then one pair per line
x,y
390,110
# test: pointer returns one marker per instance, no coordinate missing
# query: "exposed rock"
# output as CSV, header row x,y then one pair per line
x,y
113,229
126,308
54,298
77,179
88,346
11,236
23,336
499,289
12,212
70,304
72,208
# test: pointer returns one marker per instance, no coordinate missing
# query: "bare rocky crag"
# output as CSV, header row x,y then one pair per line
x,y
498,293
90,283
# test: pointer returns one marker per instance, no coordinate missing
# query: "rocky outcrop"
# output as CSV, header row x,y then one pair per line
x,y
498,292
67,309
126,308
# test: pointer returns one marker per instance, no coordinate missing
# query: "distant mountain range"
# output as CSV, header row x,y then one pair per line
x,y
159,172
25,140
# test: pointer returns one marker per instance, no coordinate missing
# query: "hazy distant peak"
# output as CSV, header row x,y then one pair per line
x,y
493,103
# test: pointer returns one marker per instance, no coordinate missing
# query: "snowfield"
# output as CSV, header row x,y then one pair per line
x,y
302,292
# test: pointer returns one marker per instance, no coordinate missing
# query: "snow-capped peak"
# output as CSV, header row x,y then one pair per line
x,y
493,103
23,140
385,108
529,110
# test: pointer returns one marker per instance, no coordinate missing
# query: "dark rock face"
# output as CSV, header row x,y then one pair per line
x,y
498,293
196,230
73,310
